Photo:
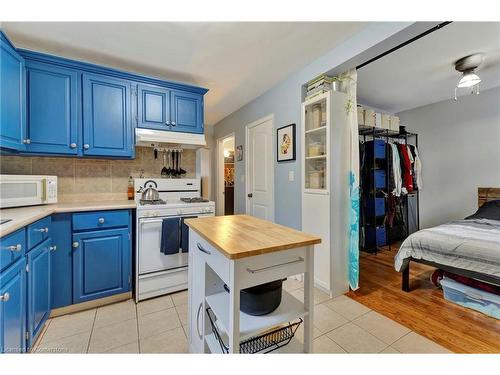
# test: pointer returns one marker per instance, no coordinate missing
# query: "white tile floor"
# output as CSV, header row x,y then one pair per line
x,y
159,325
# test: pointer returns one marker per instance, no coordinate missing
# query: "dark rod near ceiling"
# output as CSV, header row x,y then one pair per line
x,y
435,28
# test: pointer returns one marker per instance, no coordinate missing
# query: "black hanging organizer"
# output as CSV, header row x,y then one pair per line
x,y
374,230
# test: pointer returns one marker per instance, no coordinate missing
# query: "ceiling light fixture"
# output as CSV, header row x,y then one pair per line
x,y
467,65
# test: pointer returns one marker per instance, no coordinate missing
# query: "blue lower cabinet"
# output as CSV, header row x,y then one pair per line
x,y
38,289
13,308
101,264
61,262
107,120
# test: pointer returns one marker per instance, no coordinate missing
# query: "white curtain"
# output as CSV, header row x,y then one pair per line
x,y
349,83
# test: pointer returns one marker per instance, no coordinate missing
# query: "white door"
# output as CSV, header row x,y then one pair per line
x,y
260,171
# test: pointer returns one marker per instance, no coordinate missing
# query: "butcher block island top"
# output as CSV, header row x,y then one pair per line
x,y
241,236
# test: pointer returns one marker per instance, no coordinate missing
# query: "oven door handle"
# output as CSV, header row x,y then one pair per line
x,y
142,222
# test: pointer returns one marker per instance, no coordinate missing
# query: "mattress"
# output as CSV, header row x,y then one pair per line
x,y
472,245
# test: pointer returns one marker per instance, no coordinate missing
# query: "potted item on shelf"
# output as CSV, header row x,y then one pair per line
x,y
261,299
315,149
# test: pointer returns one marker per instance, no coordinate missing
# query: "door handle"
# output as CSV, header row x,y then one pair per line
x,y
42,230
53,248
17,247
72,145
101,220
198,320
86,146
202,249
173,123
75,244
249,195
6,296
299,260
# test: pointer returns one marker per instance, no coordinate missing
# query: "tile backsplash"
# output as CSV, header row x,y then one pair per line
x,y
82,178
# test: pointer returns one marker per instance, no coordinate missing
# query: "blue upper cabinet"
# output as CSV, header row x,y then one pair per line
x,y
186,112
107,124
52,116
13,308
153,107
12,97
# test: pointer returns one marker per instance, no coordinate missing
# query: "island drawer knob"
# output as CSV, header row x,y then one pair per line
x,y
101,220
17,247
5,297
53,248
76,244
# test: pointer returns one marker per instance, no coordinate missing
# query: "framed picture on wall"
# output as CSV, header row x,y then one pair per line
x,y
239,153
285,140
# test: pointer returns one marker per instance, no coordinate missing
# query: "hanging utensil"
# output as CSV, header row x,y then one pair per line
x,y
155,153
176,163
164,170
169,169
181,171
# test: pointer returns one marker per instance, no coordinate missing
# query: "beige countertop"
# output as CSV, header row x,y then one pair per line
x,y
241,236
23,216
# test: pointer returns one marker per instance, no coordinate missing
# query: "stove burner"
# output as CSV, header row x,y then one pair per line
x,y
194,200
152,203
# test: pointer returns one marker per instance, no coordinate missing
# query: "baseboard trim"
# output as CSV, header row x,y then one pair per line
x,y
90,304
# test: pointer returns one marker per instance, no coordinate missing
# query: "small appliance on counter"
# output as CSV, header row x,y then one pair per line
x,y
27,190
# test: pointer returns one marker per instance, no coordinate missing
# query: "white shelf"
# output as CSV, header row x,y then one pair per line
x,y
318,129
316,157
289,309
213,344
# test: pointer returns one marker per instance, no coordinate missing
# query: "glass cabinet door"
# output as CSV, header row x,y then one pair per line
x,y
316,145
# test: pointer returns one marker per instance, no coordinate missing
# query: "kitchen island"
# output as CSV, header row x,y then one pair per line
x,y
231,253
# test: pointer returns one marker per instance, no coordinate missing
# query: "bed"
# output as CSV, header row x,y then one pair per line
x,y
469,247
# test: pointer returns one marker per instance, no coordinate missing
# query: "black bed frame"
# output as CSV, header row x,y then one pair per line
x,y
405,285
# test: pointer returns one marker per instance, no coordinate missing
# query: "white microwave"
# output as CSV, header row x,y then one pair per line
x,y
25,190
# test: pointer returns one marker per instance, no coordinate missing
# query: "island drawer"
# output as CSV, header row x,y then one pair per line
x,y
265,268
215,260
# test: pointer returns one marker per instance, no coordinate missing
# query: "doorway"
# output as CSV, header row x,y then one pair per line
x,y
259,168
225,175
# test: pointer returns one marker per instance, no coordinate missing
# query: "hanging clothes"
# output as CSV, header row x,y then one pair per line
x,y
406,168
396,170
417,167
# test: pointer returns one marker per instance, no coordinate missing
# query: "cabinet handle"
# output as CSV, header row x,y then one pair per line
x,y
75,244
5,297
17,247
101,220
167,122
72,145
42,230
86,146
173,123
198,320
275,266
202,249
27,141
53,248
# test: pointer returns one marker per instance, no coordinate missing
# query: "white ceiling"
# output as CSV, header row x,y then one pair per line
x,y
237,61
423,72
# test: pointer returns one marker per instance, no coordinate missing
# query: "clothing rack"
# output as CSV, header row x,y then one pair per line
x,y
389,136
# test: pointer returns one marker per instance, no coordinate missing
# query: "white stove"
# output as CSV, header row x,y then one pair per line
x,y
158,273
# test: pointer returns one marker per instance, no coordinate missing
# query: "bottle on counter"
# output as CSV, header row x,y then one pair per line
x,y
130,189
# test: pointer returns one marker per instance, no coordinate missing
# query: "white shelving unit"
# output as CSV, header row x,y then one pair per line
x,y
325,185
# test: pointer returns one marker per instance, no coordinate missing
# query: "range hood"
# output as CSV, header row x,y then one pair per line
x,y
153,138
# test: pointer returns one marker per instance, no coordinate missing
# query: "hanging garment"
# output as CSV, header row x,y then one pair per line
x,y
396,170
390,171
418,168
406,168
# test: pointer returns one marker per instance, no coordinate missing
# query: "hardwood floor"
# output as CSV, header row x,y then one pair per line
x,y
423,309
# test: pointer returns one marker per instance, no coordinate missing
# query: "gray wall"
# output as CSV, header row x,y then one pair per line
x,y
459,145
284,101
